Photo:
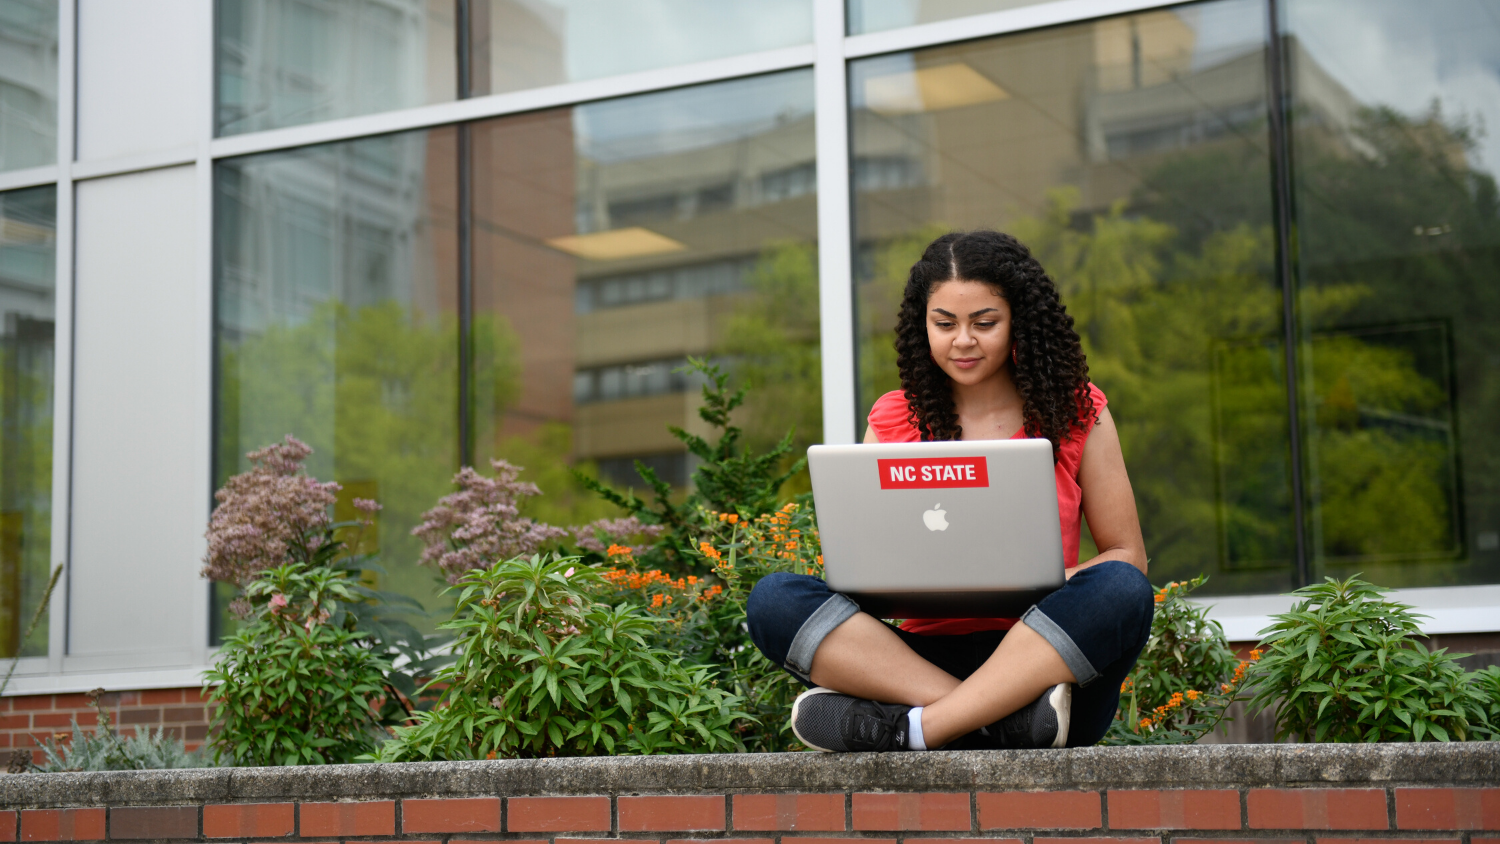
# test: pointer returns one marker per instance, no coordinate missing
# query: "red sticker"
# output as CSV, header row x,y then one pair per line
x,y
934,473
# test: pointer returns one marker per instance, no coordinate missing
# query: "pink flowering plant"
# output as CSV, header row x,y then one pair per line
x,y
272,515
481,523
276,516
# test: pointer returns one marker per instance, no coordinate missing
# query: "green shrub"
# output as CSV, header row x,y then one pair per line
x,y
545,668
1343,666
1185,679
293,685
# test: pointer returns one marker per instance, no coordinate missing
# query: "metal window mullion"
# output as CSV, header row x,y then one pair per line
x,y
203,236
1281,192
62,338
465,245
835,246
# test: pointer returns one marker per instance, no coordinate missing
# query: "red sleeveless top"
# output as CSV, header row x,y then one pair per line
x,y
888,418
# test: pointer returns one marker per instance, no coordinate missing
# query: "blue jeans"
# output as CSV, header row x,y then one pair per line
x,y
1098,622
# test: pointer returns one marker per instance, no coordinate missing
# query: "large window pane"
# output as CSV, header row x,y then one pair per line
x,y
527,43
615,240
1398,222
28,249
28,83
287,62
1131,155
335,280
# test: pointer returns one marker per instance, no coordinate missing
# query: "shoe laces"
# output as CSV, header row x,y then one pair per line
x,y
874,725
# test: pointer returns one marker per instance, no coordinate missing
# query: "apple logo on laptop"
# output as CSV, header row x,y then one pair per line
x,y
936,518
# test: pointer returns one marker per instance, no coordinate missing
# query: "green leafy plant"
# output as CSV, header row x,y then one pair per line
x,y
1343,665
731,479
104,750
294,686
545,668
1185,679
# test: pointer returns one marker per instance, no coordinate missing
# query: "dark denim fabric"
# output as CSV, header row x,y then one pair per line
x,y
1102,616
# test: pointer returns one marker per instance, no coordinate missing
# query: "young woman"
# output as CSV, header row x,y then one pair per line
x,y
986,351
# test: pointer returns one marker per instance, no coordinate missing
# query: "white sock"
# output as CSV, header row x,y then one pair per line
x,y
914,729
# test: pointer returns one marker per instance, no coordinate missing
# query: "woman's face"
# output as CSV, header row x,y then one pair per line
x,y
968,327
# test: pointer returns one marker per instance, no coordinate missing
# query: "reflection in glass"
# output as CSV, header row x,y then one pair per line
x,y
1131,155
614,240
877,15
288,62
335,273
28,83
1396,214
28,249
520,44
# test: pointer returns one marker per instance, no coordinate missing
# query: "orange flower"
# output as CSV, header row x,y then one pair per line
x,y
731,518
1160,597
1256,654
1192,694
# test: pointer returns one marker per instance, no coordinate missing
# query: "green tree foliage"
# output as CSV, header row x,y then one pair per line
x,y
772,337
1344,666
295,687
731,478
374,390
546,669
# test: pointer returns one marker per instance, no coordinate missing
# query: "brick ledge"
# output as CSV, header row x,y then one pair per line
x,y
1236,766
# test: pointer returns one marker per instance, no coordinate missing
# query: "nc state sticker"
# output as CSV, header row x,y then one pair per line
x,y
934,473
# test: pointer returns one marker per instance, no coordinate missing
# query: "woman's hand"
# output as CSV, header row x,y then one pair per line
x,y
1108,500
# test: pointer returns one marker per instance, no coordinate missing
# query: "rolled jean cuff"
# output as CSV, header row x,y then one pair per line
x,y
834,611
1083,671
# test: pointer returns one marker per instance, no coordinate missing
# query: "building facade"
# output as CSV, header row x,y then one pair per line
x,y
420,234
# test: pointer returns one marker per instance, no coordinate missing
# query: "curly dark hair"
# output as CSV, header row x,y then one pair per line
x,y
1050,372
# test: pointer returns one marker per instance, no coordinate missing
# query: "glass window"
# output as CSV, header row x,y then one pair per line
x,y
335,275
288,62
1398,223
1131,154
28,83
614,240
28,249
876,15
528,43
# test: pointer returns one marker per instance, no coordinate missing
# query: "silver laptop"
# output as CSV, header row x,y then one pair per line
x,y
940,529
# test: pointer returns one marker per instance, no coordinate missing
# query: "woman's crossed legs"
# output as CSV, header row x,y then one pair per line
x,y
1088,633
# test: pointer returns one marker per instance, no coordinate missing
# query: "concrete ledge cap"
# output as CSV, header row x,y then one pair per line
x,y
1090,768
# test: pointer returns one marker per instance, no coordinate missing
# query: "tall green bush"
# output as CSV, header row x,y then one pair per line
x,y
730,479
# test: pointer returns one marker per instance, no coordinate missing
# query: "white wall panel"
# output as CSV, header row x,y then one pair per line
x,y
138,404
138,76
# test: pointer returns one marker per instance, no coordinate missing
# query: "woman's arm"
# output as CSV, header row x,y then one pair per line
x,y
871,438
1108,501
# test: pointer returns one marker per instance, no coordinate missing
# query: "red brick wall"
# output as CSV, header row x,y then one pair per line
x,y
25,720
1110,816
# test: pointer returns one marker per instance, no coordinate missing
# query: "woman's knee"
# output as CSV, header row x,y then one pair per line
x,y
1126,591
770,597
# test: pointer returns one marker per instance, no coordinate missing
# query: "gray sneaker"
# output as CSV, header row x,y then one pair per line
x,y
837,723
1041,723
